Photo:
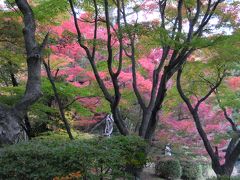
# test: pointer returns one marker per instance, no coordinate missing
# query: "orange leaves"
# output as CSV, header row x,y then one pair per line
x,y
74,175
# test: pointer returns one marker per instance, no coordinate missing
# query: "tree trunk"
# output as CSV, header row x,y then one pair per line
x,y
26,124
151,126
11,118
144,124
10,127
223,172
119,121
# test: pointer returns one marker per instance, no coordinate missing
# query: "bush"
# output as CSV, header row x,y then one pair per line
x,y
46,158
169,168
224,178
206,169
191,170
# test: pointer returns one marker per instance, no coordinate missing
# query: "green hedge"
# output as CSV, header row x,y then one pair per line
x,y
168,168
206,168
57,157
191,170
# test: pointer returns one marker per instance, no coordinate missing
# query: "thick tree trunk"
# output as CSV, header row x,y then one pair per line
x,y
119,121
26,124
223,172
10,127
12,118
151,126
144,124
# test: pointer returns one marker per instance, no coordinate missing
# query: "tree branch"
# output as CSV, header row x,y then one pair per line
x,y
194,112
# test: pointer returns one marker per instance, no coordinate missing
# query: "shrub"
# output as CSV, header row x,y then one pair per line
x,y
46,158
206,169
224,178
169,168
191,170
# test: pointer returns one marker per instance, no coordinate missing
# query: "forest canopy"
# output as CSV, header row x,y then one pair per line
x,y
146,74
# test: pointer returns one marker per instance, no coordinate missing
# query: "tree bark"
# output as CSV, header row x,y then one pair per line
x,y
223,172
119,121
12,117
145,120
9,125
26,123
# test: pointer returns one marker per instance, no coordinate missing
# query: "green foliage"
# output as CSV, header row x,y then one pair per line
x,y
189,3
48,157
199,43
10,29
84,112
142,71
205,169
128,96
221,136
12,57
63,136
47,10
172,100
228,97
191,170
169,168
67,93
102,66
45,112
91,90
10,95
224,178
153,38
228,48
104,107
88,5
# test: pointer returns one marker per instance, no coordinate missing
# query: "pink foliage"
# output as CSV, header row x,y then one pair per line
x,y
234,83
184,131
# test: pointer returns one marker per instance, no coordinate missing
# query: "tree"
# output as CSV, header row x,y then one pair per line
x,y
56,94
226,64
10,43
176,43
221,168
11,118
178,128
113,100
